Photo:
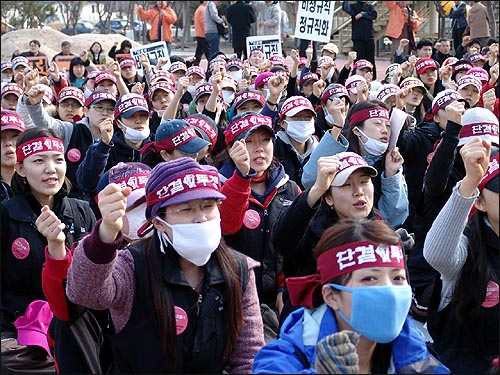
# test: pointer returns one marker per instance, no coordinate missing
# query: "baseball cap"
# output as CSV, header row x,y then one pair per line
x,y
48,96
245,96
450,61
218,61
389,71
162,75
349,163
306,78
490,178
6,65
194,181
302,60
228,82
478,122
177,134
98,96
103,76
353,81
362,63
205,127
12,88
445,97
10,120
330,47
32,327
413,83
262,79
324,60
462,65
131,174
20,61
385,91
245,124
475,57
129,104
195,69
480,74
127,61
160,85
424,64
277,60
71,93
467,80
204,88
334,90
294,105
176,66
234,63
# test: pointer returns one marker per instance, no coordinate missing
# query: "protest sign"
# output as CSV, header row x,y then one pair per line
x,y
41,63
154,51
314,20
269,44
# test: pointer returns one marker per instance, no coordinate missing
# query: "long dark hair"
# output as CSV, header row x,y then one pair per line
x,y
163,301
470,290
19,185
74,62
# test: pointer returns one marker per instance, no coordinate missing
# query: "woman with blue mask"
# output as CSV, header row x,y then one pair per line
x,y
354,315
367,134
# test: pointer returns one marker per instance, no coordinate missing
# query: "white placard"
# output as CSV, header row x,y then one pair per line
x,y
314,20
154,51
398,118
269,44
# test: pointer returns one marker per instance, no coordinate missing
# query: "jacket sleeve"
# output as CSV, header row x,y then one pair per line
x,y
251,336
441,165
279,357
393,203
327,146
42,119
93,166
275,18
170,18
408,144
456,12
145,15
232,210
54,273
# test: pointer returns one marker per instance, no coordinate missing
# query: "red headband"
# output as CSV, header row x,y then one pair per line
x,y
479,129
136,181
37,145
491,172
205,126
339,261
365,114
189,181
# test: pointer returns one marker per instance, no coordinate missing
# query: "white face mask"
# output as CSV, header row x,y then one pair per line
x,y
136,219
133,135
328,117
237,74
191,89
87,92
372,146
300,130
195,241
228,96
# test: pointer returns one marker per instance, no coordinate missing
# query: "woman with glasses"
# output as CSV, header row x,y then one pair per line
x,y
38,183
180,301
78,135
354,315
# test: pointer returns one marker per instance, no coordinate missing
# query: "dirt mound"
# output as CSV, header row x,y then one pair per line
x,y
51,39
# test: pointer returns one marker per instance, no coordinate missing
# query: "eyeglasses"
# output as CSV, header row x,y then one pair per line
x,y
72,105
205,207
100,109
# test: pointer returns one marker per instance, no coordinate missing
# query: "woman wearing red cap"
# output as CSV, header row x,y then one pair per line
x,y
12,126
180,301
39,181
465,308
354,317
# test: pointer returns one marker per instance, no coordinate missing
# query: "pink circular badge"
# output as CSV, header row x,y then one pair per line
x,y
74,155
181,319
251,219
20,248
491,298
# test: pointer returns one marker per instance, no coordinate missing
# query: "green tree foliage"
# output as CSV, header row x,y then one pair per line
x,y
27,14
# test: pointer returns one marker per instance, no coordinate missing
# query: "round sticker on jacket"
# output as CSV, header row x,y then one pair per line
x,y
251,219
20,248
181,319
74,155
491,298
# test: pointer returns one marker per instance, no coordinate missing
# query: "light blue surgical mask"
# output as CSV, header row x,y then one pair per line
x,y
377,312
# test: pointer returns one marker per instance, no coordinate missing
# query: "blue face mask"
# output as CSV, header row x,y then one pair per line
x,y
378,312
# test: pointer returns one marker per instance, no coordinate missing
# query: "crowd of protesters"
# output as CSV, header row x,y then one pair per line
x,y
263,215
